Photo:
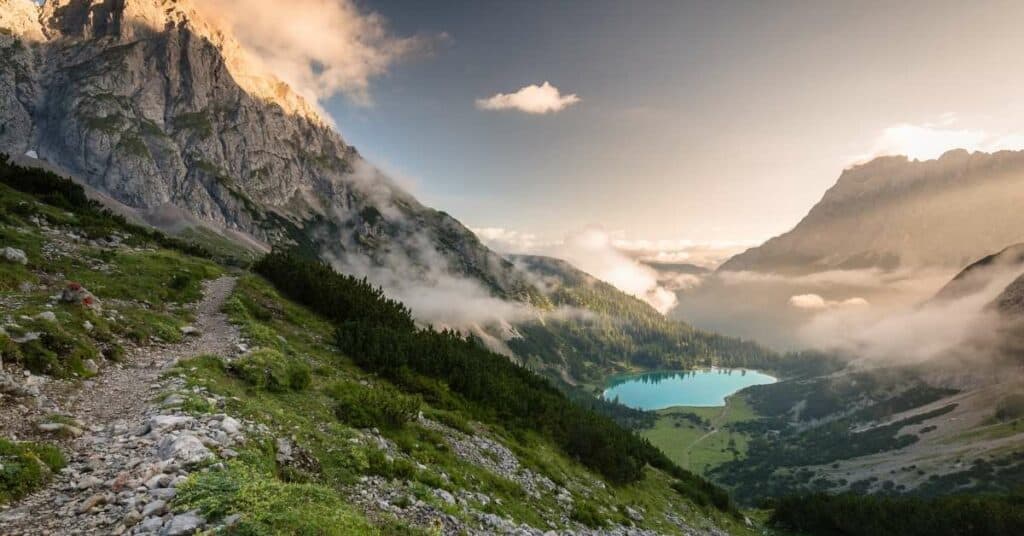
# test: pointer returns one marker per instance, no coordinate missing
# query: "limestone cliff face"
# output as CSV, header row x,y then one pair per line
x,y
895,213
151,103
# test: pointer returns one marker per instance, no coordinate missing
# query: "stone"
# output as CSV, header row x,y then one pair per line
x,y
166,423
47,316
230,425
132,518
87,326
444,496
89,482
174,400
90,366
155,508
151,524
59,427
158,481
76,294
14,255
186,449
90,503
32,154
182,524
165,494
190,331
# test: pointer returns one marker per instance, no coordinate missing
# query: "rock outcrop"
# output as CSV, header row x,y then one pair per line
x,y
151,103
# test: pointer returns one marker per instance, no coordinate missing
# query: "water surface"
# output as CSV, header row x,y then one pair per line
x,y
702,387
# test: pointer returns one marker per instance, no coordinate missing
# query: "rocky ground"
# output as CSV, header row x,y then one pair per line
x,y
127,449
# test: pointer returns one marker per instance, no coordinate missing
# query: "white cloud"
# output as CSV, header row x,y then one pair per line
x,y
930,140
532,99
318,47
816,302
592,250
508,241
707,254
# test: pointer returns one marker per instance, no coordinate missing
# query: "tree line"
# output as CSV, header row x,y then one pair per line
x,y
379,334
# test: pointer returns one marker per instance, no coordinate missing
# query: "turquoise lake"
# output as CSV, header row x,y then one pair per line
x,y
702,387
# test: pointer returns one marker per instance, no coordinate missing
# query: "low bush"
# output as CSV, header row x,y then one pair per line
x,y
379,406
272,371
270,506
25,467
587,514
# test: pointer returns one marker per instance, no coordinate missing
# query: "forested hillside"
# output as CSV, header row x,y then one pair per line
x,y
598,329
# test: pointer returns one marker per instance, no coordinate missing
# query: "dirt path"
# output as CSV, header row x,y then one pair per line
x,y
110,407
123,393
714,430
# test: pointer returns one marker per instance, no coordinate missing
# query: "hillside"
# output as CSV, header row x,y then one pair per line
x,y
196,395
154,105
156,110
892,213
596,330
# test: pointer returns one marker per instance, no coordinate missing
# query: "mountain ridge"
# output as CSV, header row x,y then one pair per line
x,y
895,213
143,101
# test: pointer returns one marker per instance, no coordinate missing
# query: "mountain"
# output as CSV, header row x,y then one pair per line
x,y
161,113
153,105
593,329
894,213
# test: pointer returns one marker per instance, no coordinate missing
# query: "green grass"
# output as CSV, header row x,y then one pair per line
x,y
684,445
224,250
24,467
310,417
146,288
994,430
269,505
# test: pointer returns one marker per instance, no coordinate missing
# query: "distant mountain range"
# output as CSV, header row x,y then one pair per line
x,y
894,213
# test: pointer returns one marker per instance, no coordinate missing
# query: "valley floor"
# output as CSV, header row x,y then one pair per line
x,y
700,443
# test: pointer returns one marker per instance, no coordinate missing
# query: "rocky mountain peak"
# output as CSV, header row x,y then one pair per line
x,y
21,18
154,105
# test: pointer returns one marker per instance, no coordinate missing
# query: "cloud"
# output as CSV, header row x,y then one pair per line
x,y
532,99
963,327
509,241
706,254
319,47
815,301
930,140
592,250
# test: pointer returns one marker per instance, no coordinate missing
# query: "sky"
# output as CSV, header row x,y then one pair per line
x,y
666,124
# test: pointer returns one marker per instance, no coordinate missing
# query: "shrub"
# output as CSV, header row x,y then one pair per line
x,y
26,466
268,505
273,371
379,406
587,514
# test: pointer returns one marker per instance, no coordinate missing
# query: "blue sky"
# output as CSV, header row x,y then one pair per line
x,y
704,121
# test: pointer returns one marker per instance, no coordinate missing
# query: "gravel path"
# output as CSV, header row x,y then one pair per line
x,y
122,394
117,464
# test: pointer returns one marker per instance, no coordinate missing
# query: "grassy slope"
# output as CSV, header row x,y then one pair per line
x,y
140,285
699,447
143,287
269,320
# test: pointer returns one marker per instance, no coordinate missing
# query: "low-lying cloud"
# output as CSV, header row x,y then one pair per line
x,y
318,47
595,251
816,302
936,328
532,99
